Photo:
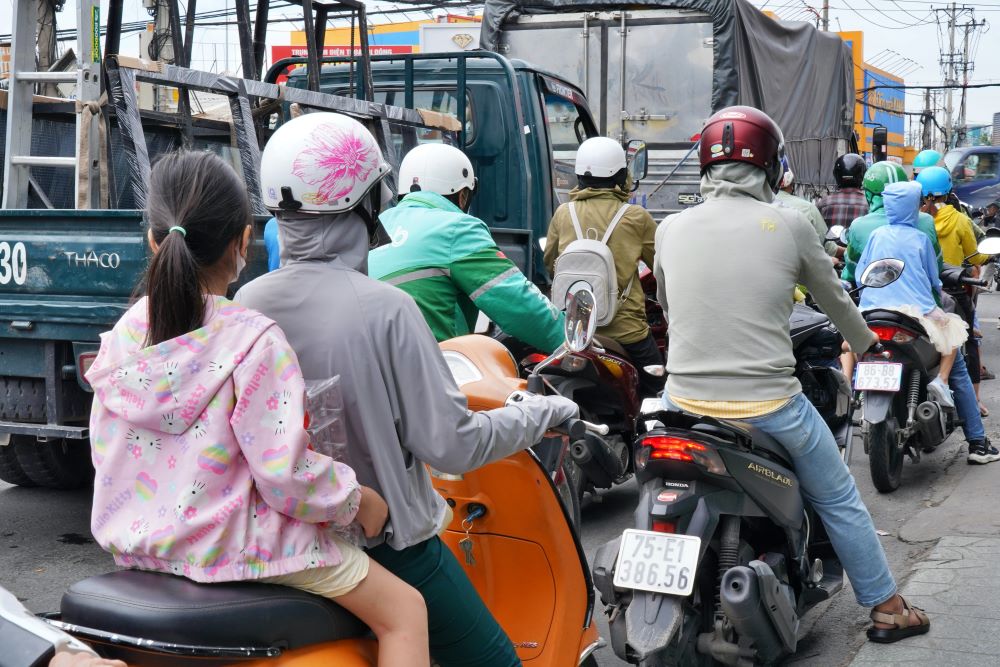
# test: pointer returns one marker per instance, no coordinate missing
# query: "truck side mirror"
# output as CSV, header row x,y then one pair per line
x,y
637,161
880,143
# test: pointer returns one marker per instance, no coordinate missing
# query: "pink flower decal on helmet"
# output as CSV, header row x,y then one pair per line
x,y
334,162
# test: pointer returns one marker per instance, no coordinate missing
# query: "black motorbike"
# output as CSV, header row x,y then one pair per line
x,y
726,556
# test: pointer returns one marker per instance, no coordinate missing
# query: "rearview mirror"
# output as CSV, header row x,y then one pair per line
x,y
882,272
989,246
581,320
636,160
835,233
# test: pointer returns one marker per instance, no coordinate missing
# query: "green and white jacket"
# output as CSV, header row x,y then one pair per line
x,y
449,263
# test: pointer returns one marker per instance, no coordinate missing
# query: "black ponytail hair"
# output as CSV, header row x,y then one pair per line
x,y
196,207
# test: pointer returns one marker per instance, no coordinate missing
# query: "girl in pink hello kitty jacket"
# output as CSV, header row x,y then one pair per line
x,y
203,465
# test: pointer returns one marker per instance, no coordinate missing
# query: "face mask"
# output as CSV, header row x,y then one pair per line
x,y
241,263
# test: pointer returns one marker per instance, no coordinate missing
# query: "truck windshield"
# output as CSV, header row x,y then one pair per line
x,y
972,166
566,123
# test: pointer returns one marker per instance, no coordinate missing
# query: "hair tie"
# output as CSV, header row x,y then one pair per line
x,y
178,229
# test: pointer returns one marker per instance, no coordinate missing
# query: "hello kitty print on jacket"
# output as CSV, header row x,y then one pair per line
x,y
203,463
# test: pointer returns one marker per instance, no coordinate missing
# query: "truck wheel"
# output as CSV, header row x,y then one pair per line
x,y
885,457
22,399
56,464
10,470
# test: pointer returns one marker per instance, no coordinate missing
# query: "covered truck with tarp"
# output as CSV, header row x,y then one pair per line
x,y
656,70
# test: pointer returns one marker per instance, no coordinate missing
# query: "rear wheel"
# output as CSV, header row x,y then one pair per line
x,y
10,469
56,464
885,456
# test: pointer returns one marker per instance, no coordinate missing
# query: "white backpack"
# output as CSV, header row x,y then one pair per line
x,y
591,261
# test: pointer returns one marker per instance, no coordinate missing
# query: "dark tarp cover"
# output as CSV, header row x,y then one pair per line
x,y
800,76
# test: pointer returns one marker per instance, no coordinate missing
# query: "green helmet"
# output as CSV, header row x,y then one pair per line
x,y
880,175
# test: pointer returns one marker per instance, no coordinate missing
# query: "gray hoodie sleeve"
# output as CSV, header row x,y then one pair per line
x,y
432,415
661,290
817,274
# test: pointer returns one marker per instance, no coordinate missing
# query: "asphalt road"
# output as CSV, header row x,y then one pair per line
x,y
45,543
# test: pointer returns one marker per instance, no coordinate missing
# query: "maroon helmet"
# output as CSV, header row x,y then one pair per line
x,y
742,134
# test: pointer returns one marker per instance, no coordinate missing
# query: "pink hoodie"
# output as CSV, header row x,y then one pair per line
x,y
202,458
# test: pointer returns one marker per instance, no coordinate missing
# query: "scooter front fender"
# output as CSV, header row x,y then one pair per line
x,y
651,621
876,406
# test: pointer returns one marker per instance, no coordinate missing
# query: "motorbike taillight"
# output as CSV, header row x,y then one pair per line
x,y
895,334
661,526
674,448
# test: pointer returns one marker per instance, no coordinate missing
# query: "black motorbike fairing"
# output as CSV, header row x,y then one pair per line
x,y
803,323
167,608
828,391
772,486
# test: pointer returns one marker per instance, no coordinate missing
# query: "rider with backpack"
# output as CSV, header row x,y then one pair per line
x,y
599,237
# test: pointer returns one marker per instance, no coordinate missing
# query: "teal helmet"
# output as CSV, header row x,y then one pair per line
x,y
935,181
926,158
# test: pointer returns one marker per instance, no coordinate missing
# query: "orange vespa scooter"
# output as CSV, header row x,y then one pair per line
x,y
510,530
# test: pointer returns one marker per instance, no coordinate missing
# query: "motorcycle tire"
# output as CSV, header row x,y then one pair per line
x,y
885,458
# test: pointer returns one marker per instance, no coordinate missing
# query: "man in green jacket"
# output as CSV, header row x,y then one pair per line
x,y
447,260
876,178
602,192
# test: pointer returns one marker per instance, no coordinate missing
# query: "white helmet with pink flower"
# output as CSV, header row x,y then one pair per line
x,y
320,163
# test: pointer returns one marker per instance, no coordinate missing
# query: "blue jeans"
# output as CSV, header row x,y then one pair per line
x,y
828,486
965,399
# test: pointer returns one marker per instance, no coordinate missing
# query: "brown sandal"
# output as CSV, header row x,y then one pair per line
x,y
902,628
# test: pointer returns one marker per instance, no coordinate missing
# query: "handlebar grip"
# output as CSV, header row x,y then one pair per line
x,y
973,281
574,428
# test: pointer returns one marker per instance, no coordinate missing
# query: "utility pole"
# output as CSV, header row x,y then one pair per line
x,y
927,120
967,66
950,79
46,42
826,15
161,48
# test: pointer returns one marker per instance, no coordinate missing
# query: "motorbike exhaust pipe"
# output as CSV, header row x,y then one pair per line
x,y
596,459
743,605
929,420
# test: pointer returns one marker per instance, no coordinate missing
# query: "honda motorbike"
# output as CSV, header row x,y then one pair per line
x,y
511,532
726,556
900,418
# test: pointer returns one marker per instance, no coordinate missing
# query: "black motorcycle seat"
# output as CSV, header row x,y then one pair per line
x,y
879,315
760,439
612,346
167,608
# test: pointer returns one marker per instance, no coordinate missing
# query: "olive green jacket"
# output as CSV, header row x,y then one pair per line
x,y
632,241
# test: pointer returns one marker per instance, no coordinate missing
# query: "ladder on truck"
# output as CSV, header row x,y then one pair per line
x,y
24,75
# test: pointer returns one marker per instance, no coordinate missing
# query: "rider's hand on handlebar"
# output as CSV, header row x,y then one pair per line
x,y
373,512
562,409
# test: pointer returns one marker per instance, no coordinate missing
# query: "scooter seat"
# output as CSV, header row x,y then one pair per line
x,y
612,346
166,608
880,315
759,438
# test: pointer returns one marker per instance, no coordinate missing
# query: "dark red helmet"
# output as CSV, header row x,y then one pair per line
x,y
742,134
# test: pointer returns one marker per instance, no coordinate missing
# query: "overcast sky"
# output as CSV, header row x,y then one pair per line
x,y
907,27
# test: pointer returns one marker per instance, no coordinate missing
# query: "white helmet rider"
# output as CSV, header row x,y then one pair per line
x,y
320,163
599,157
436,168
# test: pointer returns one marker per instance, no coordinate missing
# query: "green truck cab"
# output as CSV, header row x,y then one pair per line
x,y
67,275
